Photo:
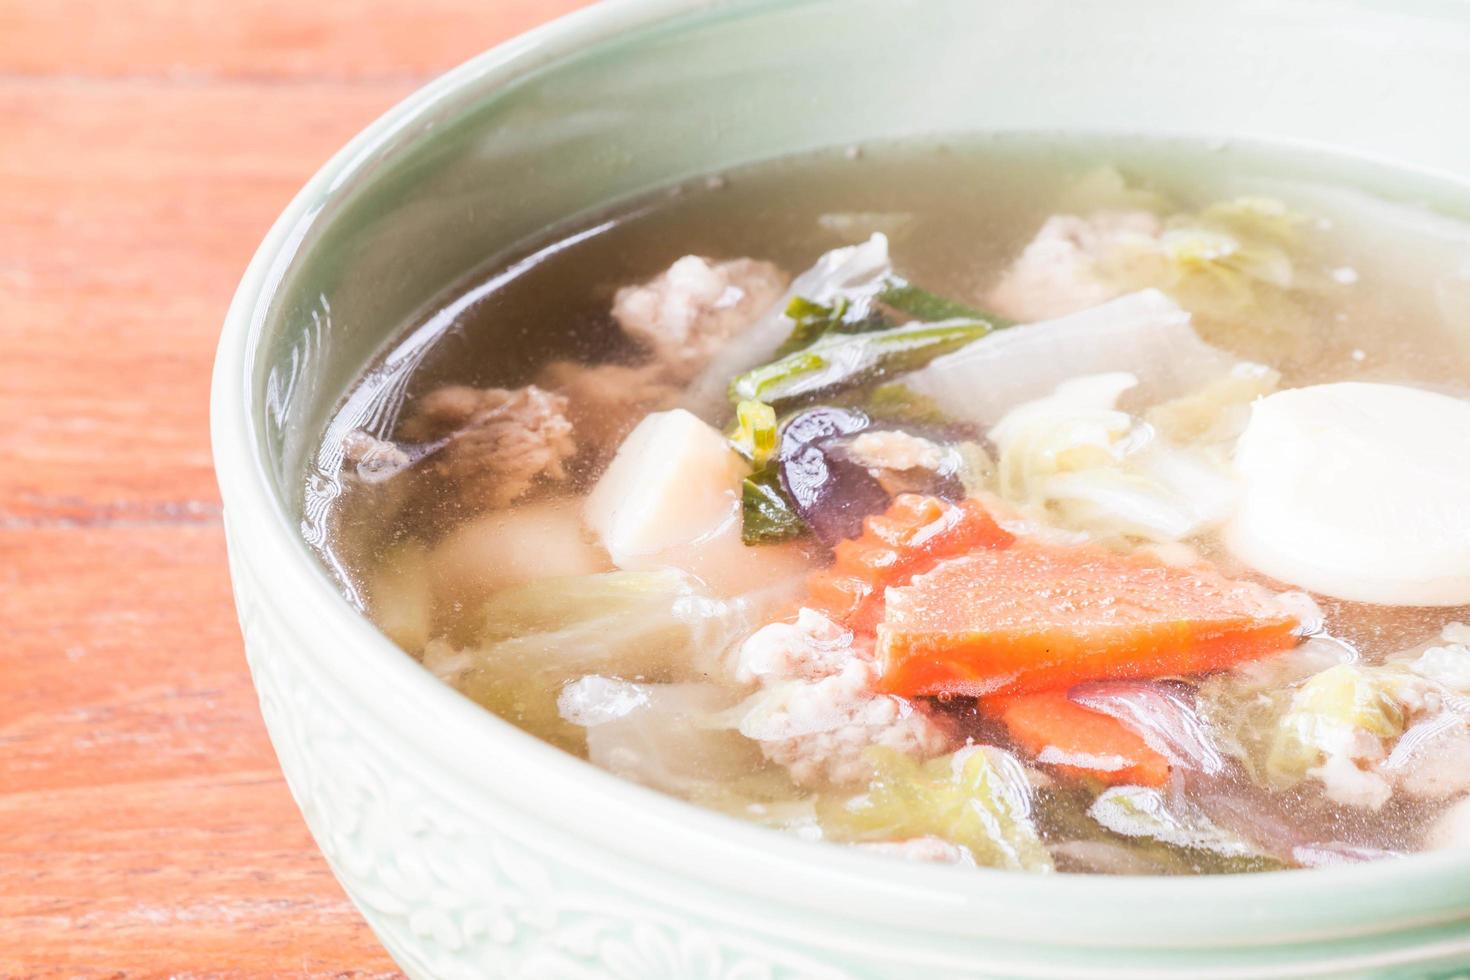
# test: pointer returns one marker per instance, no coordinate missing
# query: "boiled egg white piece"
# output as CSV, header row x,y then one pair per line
x,y
1358,491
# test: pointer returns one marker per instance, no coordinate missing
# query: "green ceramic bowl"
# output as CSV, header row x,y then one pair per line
x,y
473,849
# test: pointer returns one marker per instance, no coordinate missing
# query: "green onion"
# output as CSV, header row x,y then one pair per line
x,y
755,431
843,360
810,321
930,307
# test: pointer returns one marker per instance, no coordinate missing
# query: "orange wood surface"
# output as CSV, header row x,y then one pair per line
x,y
145,147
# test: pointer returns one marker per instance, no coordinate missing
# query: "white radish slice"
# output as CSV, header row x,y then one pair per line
x,y
1358,491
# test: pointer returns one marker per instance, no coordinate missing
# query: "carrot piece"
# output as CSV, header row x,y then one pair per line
x,y
911,537
1055,730
1038,617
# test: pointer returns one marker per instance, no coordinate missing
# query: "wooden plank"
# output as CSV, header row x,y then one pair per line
x,y
324,39
127,215
145,147
144,826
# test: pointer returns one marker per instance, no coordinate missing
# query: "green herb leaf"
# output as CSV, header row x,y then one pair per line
x,y
839,360
767,514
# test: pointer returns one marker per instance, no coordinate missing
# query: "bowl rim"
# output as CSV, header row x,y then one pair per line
x,y
1381,897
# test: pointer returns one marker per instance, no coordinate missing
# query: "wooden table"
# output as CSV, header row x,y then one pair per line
x,y
145,147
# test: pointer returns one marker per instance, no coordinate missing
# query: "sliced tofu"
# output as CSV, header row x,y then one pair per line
x,y
671,499
1358,491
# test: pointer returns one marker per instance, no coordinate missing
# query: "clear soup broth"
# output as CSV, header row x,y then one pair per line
x,y
1043,503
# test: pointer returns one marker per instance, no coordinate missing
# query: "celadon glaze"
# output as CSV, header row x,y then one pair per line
x,y
475,850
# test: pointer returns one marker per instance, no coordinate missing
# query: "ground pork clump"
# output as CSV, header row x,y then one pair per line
x,y
686,313
492,444
605,401
1057,273
374,460
894,449
819,709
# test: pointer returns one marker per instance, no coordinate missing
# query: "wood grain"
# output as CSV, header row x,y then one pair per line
x,y
145,147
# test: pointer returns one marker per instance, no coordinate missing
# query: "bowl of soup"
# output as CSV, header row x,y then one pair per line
x,y
879,489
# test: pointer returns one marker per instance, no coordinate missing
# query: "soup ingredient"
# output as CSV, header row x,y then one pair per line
x,y
667,736
533,639
836,466
1368,731
588,622
1448,661
672,498
853,274
931,850
1036,616
920,304
912,536
766,512
1042,505
671,483
819,709
842,360
895,451
1073,459
605,401
1241,706
755,432
829,493
977,797
1431,760
902,461
399,598
1335,729
1362,731
1240,265
1057,273
505,548
1218,412
1451,832
687,313
1358,491
373,460
1223,255
495,444
820,730
1140,811
1057,731
1145,333
813,646
810,321
1162,714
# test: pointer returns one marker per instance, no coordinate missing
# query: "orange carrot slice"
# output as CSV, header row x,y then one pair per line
x,y
911,537
1077,741
1037,617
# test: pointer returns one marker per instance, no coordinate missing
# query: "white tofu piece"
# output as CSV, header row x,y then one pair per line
x,y
1358,491
671,499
